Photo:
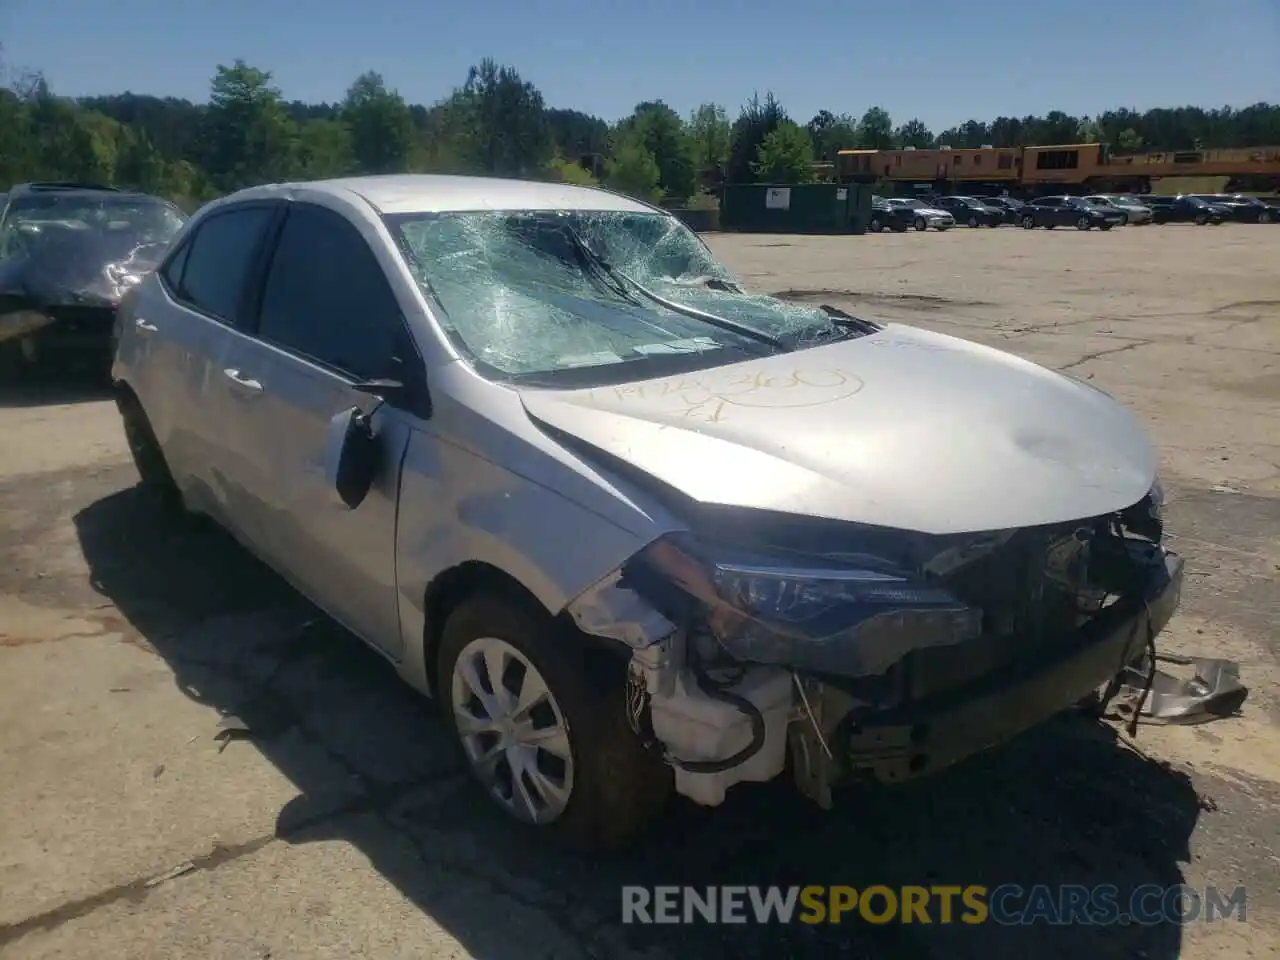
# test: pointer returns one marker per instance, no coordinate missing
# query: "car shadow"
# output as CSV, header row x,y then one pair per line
x,y
1066,804
41,387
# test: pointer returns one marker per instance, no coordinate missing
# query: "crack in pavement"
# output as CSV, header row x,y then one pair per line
x,y
134,891
583,926
1106,353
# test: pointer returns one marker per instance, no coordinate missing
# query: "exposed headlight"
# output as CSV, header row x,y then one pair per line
x,y
854,618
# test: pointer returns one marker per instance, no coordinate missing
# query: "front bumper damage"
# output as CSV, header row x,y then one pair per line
x,y
891,705
845,740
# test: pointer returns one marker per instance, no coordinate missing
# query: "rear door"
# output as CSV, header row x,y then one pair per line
x,y
175,335
327,319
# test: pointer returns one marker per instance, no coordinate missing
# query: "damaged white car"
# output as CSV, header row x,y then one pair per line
x,y
636,528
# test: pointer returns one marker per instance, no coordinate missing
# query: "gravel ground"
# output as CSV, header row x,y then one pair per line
x,y
344,828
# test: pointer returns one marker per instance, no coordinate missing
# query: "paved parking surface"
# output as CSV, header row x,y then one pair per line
x,y
343,827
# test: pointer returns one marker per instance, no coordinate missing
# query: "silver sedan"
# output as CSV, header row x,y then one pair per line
x,y
1135,212
925,215
639,529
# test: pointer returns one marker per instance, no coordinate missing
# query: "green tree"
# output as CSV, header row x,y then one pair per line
x,y
564,170
710,134
663,134
325,150
578,134
913,133
831,133
379,125
249,139
499,122
875,129
755,122
632,169
785,156
138,163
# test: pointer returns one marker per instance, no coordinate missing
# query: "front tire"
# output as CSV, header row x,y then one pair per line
x,y
1264,216
547,740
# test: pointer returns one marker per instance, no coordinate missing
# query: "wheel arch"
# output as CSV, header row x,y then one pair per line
x,y
452,587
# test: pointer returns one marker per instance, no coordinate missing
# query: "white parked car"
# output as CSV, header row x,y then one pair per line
x,y
1135,212
636,527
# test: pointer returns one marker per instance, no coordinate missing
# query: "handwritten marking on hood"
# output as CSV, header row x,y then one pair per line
x,y
708,397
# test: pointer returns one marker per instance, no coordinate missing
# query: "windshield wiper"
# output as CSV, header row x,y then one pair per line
x,y
716,321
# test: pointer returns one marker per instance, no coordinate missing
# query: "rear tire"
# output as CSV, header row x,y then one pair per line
x,y
876,225
154,475
1083,223
611,787
921,225
1028,223
1264,216
972,222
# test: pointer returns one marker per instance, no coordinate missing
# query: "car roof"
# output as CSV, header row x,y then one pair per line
x,y
71,188
438,193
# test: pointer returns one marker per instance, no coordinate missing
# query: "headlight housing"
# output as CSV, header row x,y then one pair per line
x,y
853,618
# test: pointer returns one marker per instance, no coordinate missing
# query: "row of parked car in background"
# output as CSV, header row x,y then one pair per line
x,y
1100,211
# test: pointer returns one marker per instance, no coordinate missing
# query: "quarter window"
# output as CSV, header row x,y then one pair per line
x,y
327,299
218,260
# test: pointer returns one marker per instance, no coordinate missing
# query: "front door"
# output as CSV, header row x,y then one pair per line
x,y
328,319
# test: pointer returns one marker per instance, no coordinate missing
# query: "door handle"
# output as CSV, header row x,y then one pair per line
x,y
144,326
247,383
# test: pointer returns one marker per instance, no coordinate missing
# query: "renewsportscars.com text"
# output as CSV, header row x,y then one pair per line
x,y
1008,904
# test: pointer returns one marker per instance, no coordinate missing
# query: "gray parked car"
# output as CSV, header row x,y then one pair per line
x,y
637,528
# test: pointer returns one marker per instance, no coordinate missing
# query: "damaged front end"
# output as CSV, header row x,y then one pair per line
x,y
64,273
47,306
873,654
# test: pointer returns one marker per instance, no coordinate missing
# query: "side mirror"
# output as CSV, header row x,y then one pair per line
x,y
350,457
397,394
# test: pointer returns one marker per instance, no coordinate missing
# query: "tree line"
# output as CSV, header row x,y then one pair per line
x,y
497,123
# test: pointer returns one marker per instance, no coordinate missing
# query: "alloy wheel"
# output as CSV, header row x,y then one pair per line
x,y
512,730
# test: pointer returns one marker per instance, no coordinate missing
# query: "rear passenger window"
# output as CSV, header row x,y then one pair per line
x,y
327,298
219,259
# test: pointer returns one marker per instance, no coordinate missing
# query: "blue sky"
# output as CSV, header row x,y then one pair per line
x,y
943,62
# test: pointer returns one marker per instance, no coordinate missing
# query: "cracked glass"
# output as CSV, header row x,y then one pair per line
x,y
532,295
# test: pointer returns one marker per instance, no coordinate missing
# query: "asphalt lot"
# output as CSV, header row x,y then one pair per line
x,y
342,825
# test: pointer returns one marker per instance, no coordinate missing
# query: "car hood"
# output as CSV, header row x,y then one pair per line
x,y
75,271
904,428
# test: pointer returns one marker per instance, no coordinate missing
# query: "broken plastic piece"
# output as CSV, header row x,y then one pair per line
x,y
1214,692
229,728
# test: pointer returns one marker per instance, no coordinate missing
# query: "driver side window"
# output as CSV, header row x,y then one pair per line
x,y
327,299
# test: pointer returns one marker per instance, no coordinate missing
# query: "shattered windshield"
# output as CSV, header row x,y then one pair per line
x,y
113,226
540,295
